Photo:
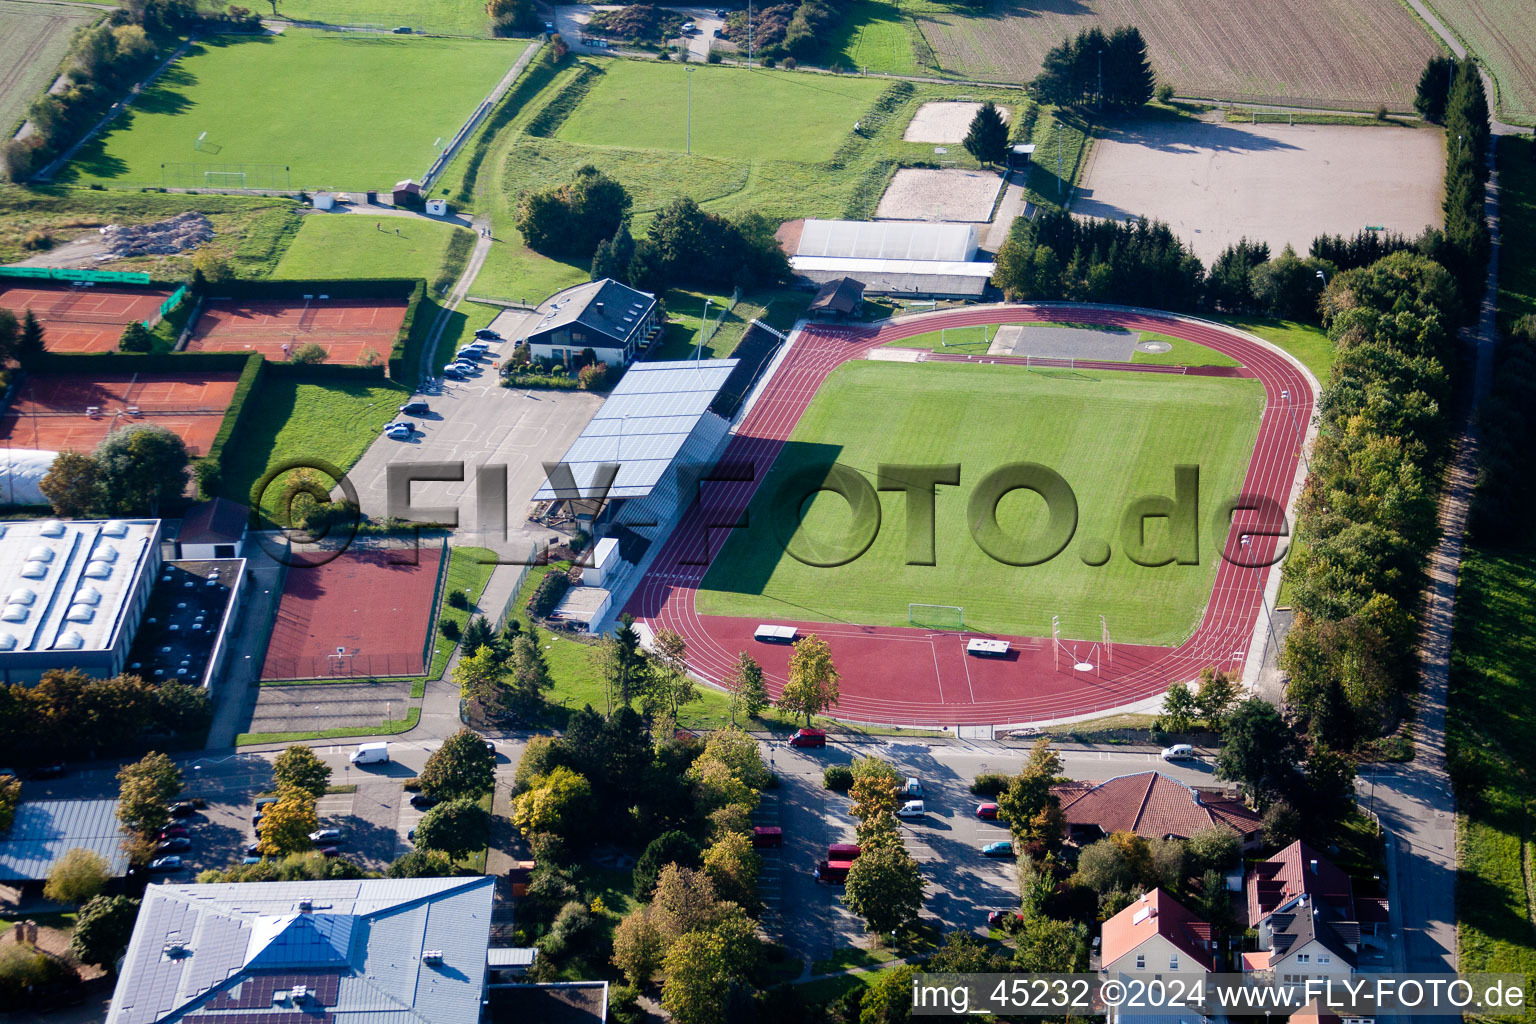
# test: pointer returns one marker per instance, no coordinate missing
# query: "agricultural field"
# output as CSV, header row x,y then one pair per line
x,y
269,102
439,17
1217,183
1111,435
1502,35
34,37
1352,53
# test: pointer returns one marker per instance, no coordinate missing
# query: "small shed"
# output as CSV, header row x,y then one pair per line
x,y
325,201
212,529
407,194
605,558
1019,155
437,207
843,297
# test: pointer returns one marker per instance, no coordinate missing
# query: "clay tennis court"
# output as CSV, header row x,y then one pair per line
x,y
345,328
53,412
82,319
374,604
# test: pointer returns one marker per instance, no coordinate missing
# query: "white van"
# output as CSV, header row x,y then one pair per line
x,y
1179,752
912,809
370,753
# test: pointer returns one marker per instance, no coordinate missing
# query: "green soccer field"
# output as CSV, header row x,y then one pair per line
x,y
340,111
1113,436
738,113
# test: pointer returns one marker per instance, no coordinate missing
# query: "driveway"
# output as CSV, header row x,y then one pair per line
x,y
571,22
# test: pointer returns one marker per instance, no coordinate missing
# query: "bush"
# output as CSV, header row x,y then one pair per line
x,y
1164,93
790,63
837,777
548,594
136,338
36,241
714,57
668,848
458,599
989,784
308,354
450,629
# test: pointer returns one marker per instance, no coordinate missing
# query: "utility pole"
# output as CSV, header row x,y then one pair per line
x,y
1101,78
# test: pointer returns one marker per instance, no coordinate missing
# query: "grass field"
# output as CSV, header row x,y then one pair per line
x,y
1517,218
250,232
641,105
1307,342
876,34
1112,436
975,341
34,37
340,111
353,245
469,570
447,17
1357,53
1503,36
333,421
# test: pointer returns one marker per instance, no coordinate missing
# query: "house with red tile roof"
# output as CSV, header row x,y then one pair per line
x,y
1154,806
1156,935
1296,870
1308,921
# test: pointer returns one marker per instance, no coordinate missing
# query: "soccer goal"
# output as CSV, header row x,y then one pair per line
x,y
936,616
224,179
976,338
203,144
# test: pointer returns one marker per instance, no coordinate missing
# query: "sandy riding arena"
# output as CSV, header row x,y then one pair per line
x,y
917,193
944,122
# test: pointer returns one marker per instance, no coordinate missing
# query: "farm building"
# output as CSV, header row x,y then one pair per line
x,y
615,321
888,257
407,194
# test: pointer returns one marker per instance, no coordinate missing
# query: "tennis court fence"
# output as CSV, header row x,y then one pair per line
x,y
383,665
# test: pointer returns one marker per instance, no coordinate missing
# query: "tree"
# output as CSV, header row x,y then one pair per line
x,y
987,139
672,847
1128,77
1032,811
477,633
10,329
286,825
1213,903
462,767
10,798
669,684
103,929
733,866
1119,861
76,877
530,675
1178,708
885,888
739,753
1282,824
888,1000
684,901
310,354
136,338
639,947
562,798
1049,946
614,255
872,797
145,791
1213,848
812,686
622,660
1435,88
744,682
702,967
1215,697
73,486
421,864
1057,81
573,219
299,768
142,466
478,676
458,828
1258,751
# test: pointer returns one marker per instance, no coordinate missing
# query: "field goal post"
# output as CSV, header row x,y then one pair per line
x,y
964,335
936,616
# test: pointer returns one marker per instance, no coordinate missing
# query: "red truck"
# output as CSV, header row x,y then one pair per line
x,y
833,871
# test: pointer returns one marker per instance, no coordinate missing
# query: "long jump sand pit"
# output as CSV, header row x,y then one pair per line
x,y
918,193
1216,183
944,121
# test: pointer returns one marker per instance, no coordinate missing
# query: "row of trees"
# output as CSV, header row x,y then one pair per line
x,y
1058,256
588,219
1506,454
1111,69
70,715
1367,515
21,340
130,473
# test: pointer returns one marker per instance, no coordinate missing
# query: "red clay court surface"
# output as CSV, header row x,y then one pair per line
x,y
343,327
78,319
909,676
365,601
49,413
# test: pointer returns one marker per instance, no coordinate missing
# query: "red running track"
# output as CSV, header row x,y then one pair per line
x,y
917,676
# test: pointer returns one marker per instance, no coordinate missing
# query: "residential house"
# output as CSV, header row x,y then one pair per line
x,y
1154,806
1156,938
615,321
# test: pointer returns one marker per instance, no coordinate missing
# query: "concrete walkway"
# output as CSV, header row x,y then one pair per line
x,y
1012,206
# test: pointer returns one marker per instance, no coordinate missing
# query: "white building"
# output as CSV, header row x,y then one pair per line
x,y
889,257
73,593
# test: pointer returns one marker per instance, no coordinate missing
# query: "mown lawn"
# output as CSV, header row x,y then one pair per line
x,y
469,570
875,35
449,17
334,421
354,245
1307,342
1112,436
339,111
977,340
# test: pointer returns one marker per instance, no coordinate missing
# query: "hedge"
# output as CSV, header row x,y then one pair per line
x,y
548,594
325,371
87,364
405,354
210,468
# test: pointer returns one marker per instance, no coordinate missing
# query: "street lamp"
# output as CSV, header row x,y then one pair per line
x,y
1258,577
1101,78
1323,278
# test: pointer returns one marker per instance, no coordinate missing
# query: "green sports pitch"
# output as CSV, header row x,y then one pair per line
x,y
1114,436
339,111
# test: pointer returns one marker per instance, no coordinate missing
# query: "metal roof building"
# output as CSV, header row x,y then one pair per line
x,y
385,951
888,240
44,830
614,320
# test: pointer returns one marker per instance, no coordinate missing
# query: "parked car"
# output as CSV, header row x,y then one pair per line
x,y
998,917
165,864
467,354
986,812
51,770
406,425
486,334
177,844
689,28
416,408
248,859
410,836
1179,752
1002,848
454,373
421,801
913,788
808,738
257,816
402,30
844,851
832,871
263,802
185,809
398,433
173,831
468,369
326,835
912,809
